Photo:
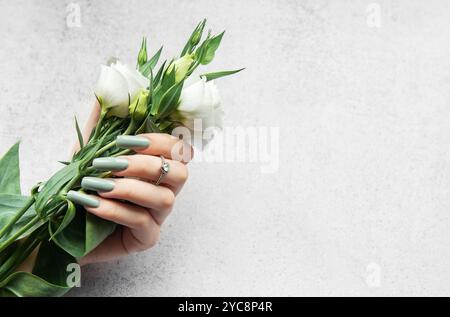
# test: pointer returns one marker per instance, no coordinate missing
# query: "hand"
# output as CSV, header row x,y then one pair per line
x,y
146,206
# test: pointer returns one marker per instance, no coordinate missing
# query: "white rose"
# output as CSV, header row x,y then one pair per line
x,y
200,100
118,85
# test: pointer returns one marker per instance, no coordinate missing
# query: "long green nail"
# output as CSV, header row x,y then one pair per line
x,y
110,163
132,142
97,184
82,199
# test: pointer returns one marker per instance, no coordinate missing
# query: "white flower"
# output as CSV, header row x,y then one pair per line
x,y
200,100
117,86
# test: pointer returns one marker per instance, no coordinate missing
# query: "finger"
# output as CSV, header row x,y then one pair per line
x,y
141,231
159,199
149,167
126,214
158,144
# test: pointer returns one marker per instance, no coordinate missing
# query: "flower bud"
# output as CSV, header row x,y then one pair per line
x,y
182,66
138,108
142,56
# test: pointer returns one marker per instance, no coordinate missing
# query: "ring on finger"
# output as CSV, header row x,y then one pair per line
x,y
165,167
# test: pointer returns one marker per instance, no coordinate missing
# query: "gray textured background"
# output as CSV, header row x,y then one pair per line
x,y
361,203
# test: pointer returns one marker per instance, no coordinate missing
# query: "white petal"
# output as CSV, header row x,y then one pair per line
x,y
112,88
192,97
135,80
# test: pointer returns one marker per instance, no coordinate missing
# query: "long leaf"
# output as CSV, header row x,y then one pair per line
x,y
151,63
215,75
169,101
9,207
49,277
79,134
210,48
10,172
67,219
83,234
55,184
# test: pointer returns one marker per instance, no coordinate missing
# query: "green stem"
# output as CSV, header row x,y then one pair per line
x,y
20,254
98,127
22,230
13,221
105,148
70,184
124,152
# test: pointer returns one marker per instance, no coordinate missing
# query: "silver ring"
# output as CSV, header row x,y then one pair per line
x,y
165,167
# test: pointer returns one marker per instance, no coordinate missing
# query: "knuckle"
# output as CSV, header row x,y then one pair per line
x,y
184,174
144,222
188,153
167,200
152,240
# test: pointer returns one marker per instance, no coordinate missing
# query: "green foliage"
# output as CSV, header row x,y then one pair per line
x,y
215,75
63,230
10,172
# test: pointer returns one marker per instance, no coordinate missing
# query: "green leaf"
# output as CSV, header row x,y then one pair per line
x,y
159,74
49,277
97,230
67,219
83,234
169,100
10,205
23,284
148,66
79,134
209,50
10,171
52,187
51,263
151,127
215,75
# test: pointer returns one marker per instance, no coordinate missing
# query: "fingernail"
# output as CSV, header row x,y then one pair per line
x,y
82,199
132,142
97,184
110,163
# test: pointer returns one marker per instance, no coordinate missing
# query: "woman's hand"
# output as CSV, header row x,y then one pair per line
x,y
132,200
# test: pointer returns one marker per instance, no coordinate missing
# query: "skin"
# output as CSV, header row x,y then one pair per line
x,y
147,206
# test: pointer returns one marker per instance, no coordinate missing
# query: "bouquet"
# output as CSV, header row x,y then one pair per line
x,y
153,97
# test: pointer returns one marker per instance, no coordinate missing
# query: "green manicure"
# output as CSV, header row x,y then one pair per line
x,y
132,142
97,184
82,199
110,163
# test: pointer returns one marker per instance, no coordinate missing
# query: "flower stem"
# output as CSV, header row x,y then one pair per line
x,y
21,253
13,221
98,127
105,148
